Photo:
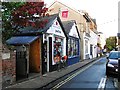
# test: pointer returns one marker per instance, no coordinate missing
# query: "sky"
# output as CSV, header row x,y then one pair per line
x,y
104,11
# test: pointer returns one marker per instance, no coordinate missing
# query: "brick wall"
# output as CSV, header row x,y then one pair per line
x,y
8,67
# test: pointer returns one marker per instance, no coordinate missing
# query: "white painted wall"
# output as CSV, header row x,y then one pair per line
x,y
84,46
102,39
93,41
73,31
56,29
86,38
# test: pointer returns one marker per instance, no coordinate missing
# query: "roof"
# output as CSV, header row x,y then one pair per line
x,y
33,30
94,20
68,25
38,31
87,18
77,11
21,40
95,31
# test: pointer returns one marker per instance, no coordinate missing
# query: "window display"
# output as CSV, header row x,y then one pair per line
x,y
69,47
73,47
58,48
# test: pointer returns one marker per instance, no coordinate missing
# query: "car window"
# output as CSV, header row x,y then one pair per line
x,y
114,55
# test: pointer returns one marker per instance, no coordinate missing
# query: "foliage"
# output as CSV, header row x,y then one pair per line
x,y
29,14
111,43
17,15
7,8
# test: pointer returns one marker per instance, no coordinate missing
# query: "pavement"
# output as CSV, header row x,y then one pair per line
x,y
39,81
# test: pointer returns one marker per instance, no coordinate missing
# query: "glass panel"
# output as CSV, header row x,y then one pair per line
x,y
58,47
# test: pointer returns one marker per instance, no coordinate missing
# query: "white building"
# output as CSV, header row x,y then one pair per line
x,y
101,39
93,44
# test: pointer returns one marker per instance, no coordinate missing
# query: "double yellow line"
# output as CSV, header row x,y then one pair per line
x,y
72,76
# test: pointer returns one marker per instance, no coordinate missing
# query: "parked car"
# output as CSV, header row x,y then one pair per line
x,y
112,63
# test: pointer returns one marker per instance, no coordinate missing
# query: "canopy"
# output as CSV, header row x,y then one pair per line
x,y
21,40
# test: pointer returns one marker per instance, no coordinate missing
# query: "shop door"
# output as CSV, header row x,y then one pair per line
x,y
44,62
91,50
34,57
21,65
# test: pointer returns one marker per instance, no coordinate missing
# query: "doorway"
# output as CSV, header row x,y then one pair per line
x,y
91,51
21,63
34,56
44,62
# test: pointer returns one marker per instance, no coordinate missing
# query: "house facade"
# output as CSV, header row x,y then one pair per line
x,y
93,39
101,39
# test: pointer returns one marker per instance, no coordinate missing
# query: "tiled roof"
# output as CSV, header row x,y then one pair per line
x,y
33,30
67,26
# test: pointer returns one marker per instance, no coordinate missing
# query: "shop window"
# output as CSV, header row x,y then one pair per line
x,y
58,46
73,47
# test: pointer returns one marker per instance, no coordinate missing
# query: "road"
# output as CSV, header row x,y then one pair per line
x,y
92,76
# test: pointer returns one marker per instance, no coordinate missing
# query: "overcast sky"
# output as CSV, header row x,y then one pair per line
x,y
104,11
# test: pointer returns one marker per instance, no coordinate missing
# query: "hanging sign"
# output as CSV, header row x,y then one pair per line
x,y
64,13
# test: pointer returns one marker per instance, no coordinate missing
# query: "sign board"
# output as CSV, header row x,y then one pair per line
x,y
56,29
64,13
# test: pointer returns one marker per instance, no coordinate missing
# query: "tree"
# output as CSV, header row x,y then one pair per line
x,y
111,43
7,8
17,15
30,14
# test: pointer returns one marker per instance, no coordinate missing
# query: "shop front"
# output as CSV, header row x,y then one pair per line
x,y
73,50
73,46
54,41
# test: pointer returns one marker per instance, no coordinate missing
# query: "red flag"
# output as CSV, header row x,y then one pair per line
x,y
65,14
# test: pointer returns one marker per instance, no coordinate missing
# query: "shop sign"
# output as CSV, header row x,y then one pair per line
x,y
57,31
65,14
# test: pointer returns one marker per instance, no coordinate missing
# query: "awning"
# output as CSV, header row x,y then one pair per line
x,y
21,40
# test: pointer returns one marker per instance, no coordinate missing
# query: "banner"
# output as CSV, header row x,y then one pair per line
x,y
64,13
